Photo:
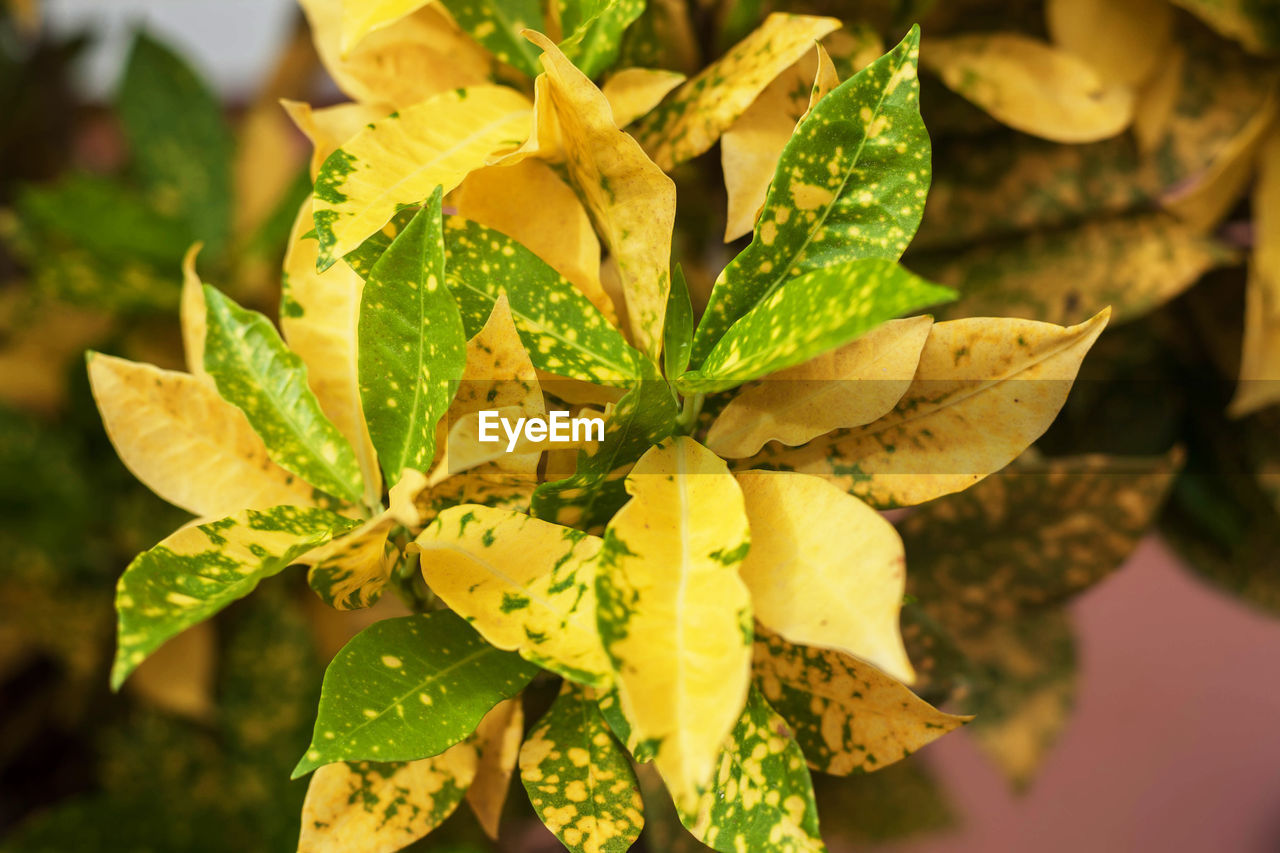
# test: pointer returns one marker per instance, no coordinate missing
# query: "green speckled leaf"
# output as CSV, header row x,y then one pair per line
x,y
850,184
611,709
579,779
197,571
677,334
412,346
762,796
496,24
806,316
257,373
848,717
593,31
409,688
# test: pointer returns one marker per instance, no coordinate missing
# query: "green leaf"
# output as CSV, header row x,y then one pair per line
x,y
409,688
411,345
762,796
644,416
579,779
809,315
593,31
677,334
496,24
257,373
850,184
197,571
181,145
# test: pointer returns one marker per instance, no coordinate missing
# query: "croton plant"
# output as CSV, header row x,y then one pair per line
x,y
711,581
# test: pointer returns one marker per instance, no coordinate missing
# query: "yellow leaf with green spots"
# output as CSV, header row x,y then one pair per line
x,y
258,374
191,313
319,318
824,568
1260,361
1032,86
629,198
500,197
1253,23
850,185
1124,40
497,741
633,92
695,116
361,17
579,779
199,570
187,444
674,616
1134,263
415,57
761,797
526,585
409,688
329,127
350,572
401,159
380,808
849,386
848,717
985,389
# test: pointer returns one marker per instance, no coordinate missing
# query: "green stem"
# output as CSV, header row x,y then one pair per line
x,y
688,417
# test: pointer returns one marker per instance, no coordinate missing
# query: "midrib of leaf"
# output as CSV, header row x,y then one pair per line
x,y
682,490
416,411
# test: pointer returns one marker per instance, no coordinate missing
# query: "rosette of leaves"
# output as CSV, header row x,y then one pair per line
x,y
711,582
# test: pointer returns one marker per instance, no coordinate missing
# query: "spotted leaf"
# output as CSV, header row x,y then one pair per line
x,y
199,570
847,716
985,389
497,24
409,688
824,568
349,572
678,331
526,585
579,779
402,158
809,315
381,808
186,443
849,386
761,797
695,115
849,185
673,613
593,31
412,345
327,128
257,373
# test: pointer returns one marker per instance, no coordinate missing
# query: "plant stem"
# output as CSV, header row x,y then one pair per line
x,y
688,418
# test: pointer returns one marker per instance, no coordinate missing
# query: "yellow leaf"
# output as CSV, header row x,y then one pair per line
x,y
350,571
191,313
673,613
525,584
361,17
402,158
319,319
1157,99
178,676
750,149
497,740
1260,362
985,389
329,127
501,197
403,63
847,716
847,387
1031,86
633,92
381,808
1123,40
824,568
186,443
629,198
693,118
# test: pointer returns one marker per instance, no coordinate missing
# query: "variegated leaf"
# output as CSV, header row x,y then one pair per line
x,y
578,779
526,585
258,374
674,616
593,31
328,128
633,92
497,741
847,716
409,688
199,570
350,572
677,333
498,24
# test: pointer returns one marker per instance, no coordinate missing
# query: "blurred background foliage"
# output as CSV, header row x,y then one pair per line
x,y
1050,200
